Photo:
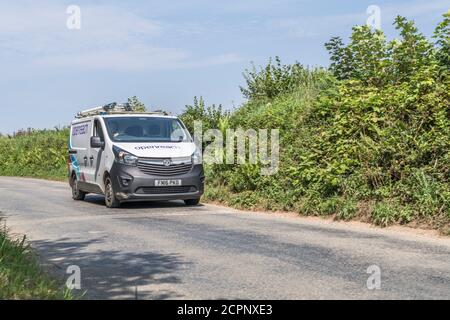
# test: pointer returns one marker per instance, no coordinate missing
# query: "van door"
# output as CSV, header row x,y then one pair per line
x,y
96,157
79,148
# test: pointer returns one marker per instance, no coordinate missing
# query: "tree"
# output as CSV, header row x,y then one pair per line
x,y
364,58
136,105
371,59
442,36
341,58
276,78
410,54
209,115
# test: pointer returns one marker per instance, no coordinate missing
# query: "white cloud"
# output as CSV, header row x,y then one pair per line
x,y
136,58
212,61
306,27
99,23
110,38
311,26
416,9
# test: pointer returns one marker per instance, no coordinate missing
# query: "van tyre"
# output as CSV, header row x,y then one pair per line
x,y
192,202
110,196
77,194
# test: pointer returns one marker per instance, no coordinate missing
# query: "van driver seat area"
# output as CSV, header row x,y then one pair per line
x,y
135,131
154,130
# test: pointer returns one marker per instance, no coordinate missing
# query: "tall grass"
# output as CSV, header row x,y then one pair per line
x,y
21,276
39,153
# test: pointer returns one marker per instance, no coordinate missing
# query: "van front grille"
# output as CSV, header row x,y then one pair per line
x,y
159,167
166,190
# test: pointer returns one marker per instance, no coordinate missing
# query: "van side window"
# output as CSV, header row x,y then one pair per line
x,y
98,131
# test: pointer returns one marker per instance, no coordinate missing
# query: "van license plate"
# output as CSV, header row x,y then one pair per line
x,y
167,183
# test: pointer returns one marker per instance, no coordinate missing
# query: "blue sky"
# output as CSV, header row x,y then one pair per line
x,y
164,52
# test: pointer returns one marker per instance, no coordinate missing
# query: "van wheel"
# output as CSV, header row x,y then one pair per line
x,y
77,194
110,198
192,202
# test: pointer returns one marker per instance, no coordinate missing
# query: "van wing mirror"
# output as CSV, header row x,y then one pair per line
x,y
96,142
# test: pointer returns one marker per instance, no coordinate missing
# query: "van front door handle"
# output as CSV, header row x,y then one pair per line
x,y
85,161
92,160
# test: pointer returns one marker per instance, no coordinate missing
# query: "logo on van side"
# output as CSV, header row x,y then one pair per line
x,y
80,130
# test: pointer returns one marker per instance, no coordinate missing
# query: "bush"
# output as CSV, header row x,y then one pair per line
x,y
276,79
387,213
371,133
40,153
211,116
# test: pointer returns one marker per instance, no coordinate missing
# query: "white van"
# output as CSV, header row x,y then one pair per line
x,y
129,156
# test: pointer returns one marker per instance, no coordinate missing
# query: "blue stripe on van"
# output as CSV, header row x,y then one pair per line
x,y
74,162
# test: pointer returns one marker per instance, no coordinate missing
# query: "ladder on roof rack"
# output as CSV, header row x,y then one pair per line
x,y
113,108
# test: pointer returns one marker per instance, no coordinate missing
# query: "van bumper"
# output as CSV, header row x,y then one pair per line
x,y
131,184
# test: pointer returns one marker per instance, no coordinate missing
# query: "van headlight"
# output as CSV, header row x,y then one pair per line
x,y
125,157
197,157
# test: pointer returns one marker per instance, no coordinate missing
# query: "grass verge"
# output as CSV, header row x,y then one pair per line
x,y
21,276
379,213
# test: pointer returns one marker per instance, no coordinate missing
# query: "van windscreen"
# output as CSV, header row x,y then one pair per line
x,y
146,129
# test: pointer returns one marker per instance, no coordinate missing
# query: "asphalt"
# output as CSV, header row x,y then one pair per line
x,y
166,250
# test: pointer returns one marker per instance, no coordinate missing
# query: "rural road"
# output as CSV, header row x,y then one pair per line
x,y
169,251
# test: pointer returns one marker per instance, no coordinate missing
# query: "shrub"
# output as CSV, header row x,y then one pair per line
x,y
276,79
374,129
40,153
387,213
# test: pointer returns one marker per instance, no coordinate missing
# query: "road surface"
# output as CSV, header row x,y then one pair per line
x,y
165,250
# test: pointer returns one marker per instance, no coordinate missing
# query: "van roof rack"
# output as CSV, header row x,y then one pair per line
x,y
113,108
